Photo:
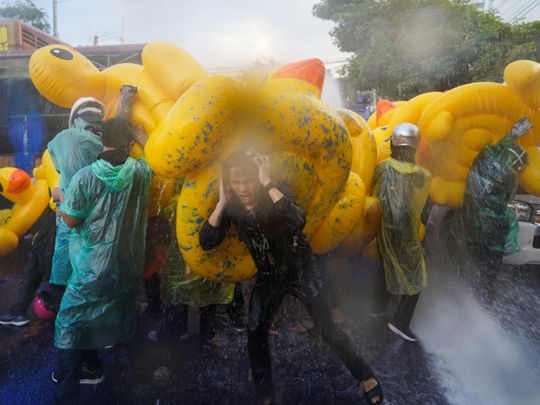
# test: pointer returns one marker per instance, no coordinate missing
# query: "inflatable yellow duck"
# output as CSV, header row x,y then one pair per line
x,y
30,200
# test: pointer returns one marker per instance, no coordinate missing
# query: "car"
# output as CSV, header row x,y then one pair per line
x,y
527,208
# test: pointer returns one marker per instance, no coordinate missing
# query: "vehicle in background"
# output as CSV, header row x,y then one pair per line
x,y
527,208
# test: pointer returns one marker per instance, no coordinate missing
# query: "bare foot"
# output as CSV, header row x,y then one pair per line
x,y
368,385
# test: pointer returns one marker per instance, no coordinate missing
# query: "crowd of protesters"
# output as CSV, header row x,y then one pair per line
x,y
99,247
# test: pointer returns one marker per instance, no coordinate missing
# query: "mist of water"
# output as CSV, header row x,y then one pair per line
x,y
479,361
331,93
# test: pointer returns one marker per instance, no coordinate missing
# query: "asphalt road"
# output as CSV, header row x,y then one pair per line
x,y
466,354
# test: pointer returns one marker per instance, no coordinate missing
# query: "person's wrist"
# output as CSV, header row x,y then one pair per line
x,y
266,181
269,186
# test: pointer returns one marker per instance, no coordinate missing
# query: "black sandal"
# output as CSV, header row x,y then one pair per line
x,y
374,392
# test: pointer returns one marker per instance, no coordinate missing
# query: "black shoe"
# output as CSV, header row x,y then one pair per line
x,y
15,320
403,331
377,315
238,324
91,375
266,400
87,376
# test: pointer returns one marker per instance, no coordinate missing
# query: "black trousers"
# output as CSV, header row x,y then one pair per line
x,y
176,317
36,267
405,310
406,303
152,288
68,373
328,286
266,298
33,273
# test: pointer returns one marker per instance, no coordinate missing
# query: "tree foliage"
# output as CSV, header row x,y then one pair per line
x,y
406,47
28,12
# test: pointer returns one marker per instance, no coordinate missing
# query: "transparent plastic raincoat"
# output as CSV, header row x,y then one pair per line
x,y
402,189
70,150
99,307
488,223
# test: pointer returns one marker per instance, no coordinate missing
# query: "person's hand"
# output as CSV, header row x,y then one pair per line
x,y
223,198
263,161
521,127
57,195
139,135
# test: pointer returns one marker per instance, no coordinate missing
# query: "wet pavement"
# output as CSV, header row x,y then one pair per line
x,y
466,355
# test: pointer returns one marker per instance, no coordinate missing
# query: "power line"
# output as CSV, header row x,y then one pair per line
x,y
513,6
531,9
531,5
519,11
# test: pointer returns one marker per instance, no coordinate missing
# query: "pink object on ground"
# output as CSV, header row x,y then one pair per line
x,y
42,312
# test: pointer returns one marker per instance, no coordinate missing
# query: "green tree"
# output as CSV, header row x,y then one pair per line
x,y
406,47
28,12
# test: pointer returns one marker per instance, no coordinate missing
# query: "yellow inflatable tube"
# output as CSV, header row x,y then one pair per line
x,y
289,121
460,123
231,260
342,218
30,200
46,171
364,148
523,77
193,134
62,75
364,230
412,110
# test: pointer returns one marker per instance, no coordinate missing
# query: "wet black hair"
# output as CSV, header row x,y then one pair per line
x,y
243,160
117,133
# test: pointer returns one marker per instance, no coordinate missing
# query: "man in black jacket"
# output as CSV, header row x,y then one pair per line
x,y
270,224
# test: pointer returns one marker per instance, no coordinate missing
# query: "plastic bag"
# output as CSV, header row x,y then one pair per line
x,y
402,189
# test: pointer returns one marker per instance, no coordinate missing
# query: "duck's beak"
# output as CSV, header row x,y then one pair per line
x,y
308,70
18,182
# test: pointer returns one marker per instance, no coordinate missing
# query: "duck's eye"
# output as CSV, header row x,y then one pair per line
x,y
61,53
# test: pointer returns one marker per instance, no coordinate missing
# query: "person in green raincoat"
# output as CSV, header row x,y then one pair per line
x,y
489,226
71,150
402,188
106,204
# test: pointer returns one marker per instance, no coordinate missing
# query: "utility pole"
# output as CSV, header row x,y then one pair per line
x,y
55,18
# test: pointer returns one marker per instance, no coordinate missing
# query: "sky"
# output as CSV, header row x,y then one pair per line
x,y
218,33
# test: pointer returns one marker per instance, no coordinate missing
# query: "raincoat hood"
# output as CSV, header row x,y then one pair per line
x,y
74,148
116,178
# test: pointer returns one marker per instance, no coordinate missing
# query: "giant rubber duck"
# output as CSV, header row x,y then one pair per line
x,y
29,201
